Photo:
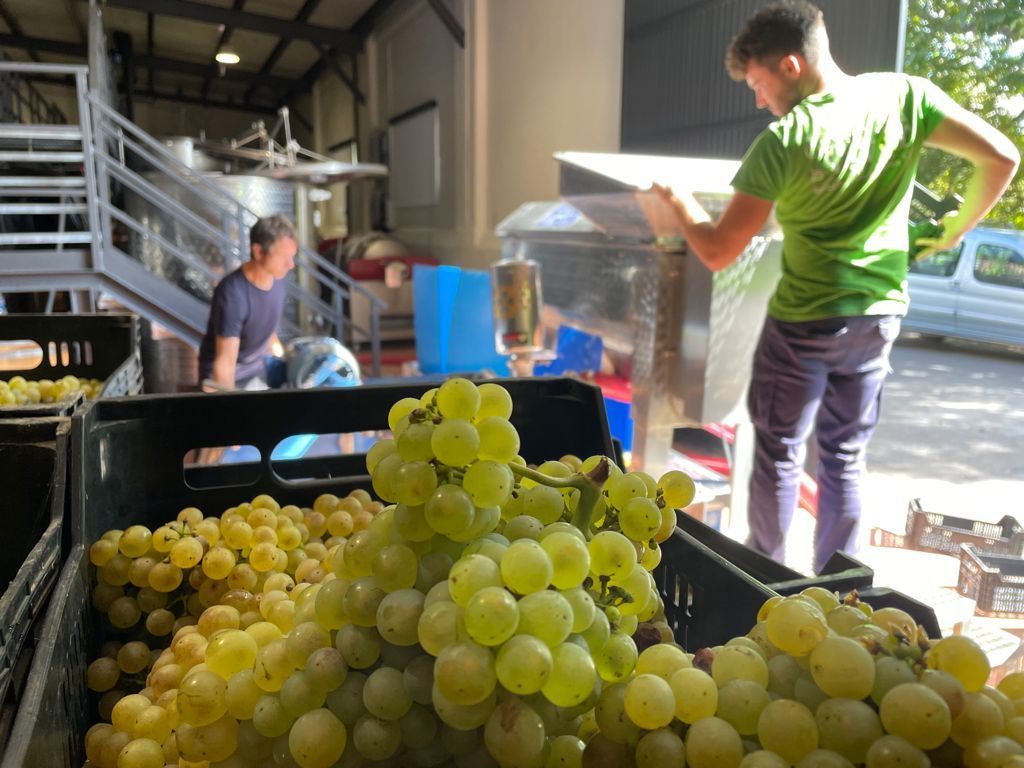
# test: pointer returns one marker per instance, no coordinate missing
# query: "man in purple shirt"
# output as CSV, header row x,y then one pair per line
x,y
247,307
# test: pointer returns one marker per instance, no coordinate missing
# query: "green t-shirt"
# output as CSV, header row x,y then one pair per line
x,y
840,168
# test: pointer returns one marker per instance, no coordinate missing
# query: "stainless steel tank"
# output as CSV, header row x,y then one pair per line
x,y
614,264
261,195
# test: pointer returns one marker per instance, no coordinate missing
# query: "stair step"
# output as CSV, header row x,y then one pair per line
x,y
63,182
37,209
48,132
32,156
44,238
28,261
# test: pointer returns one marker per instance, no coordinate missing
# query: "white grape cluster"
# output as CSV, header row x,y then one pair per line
x,y
473,622
198,600
545,573
819,682
21,391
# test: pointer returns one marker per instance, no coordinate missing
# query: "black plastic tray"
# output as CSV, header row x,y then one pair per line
x,y
129,451
33,474
713,586
102,346
127,466
841,573
708,599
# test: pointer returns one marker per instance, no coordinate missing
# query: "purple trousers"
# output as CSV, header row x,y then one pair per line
x,y
823,376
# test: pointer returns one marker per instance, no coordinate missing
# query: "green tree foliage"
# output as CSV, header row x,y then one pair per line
x,y
974,50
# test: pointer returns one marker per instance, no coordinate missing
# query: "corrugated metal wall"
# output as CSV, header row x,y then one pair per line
x,y
676,96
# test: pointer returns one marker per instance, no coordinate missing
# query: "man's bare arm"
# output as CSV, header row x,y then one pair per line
x,y
995,160
225,360
718,244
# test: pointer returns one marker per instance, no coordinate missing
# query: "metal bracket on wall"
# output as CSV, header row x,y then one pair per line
x,y
328,56
450,22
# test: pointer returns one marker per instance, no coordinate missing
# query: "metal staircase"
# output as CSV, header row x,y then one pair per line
x,y
75,200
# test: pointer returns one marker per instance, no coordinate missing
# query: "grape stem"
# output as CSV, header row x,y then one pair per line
x,y
589,485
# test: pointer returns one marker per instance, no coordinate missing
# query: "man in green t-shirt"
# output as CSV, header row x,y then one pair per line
x,y
838,165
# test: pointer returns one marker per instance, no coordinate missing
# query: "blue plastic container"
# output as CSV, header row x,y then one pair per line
x,y
577,352
620,422
453,321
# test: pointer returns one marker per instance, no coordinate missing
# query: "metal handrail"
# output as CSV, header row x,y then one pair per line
x,y
183,170
180,169
157,196
143,231
33,68
186,181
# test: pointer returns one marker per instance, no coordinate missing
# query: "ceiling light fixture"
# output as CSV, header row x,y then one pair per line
x,y
227,56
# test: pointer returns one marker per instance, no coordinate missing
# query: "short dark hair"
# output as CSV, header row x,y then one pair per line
x,y
777,30
268,230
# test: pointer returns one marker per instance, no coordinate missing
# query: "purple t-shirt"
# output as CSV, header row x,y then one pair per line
x,y
240,309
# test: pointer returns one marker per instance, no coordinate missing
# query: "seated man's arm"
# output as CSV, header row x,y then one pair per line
x,y
225,360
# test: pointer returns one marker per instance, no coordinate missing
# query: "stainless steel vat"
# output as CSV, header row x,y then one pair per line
x,y
262,195
613,262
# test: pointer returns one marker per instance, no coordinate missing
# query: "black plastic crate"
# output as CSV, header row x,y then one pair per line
x,y
708,599
102,346
841,573
127,468
129,451
713,586
33,473
52,716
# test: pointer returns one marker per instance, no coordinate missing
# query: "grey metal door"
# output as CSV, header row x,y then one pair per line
x,y
676,96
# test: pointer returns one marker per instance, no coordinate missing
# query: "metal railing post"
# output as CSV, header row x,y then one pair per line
x,y
99,227
375,337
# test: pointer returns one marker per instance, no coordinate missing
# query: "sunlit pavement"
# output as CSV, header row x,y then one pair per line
x,y
951,434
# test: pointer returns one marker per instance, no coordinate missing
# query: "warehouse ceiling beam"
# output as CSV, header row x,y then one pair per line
x,y
268,65
15,27
154,62
68,81
182,98
231,74
450,22
270,25
361,29
23,42
150,34
368,21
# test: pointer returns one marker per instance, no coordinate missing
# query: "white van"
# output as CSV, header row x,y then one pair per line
x,y
974,291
